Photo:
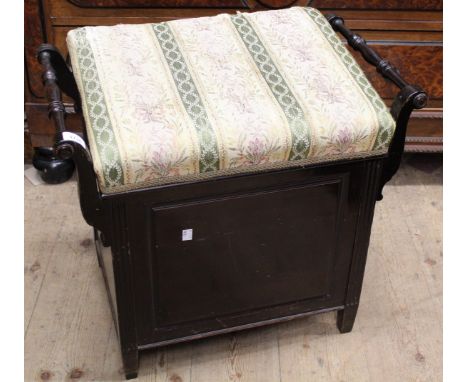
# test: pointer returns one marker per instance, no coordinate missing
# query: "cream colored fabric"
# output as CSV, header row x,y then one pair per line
x,y
195,98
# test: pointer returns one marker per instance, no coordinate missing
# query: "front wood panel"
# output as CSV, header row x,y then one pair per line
x,y
270,248
317,207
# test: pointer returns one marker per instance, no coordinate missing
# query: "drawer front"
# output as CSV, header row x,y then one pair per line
x,y
380,4
159,3
187,3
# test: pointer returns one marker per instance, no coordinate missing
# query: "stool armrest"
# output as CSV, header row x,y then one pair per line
x,y
57,78
54,65
358,43
410,97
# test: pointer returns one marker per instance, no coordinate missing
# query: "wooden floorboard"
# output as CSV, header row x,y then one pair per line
x,y
69,334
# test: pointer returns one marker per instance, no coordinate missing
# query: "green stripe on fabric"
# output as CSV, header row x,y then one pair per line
x,y
191,99
300,134
386,122
101,126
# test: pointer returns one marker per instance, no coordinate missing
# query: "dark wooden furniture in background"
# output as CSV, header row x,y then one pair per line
x,y
408,33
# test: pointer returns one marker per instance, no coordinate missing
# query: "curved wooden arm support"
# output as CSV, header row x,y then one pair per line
x,y
57,78
89,195
409,98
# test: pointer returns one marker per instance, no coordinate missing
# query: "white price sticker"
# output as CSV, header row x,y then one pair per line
x,y
187,234
67,136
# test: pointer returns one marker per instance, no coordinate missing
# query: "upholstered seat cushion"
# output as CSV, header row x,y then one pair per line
x,y
194,98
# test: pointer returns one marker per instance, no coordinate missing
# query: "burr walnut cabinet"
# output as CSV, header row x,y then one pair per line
x,y
408,33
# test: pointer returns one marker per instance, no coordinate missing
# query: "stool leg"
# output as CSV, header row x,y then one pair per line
x,y
345,318
98,248
130,363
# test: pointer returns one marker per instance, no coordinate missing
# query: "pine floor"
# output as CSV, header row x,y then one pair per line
x,y
69,334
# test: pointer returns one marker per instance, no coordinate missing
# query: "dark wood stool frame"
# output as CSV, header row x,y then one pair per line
x,y
125,222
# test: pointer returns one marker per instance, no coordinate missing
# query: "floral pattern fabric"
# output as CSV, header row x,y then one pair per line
x,y
195,98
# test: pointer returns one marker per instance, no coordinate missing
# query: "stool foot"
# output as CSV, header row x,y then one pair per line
x,y
98,249
99,260
53,170
131,375
130,364
345,318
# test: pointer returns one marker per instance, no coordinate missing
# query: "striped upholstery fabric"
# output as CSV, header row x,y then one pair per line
x,y
196,98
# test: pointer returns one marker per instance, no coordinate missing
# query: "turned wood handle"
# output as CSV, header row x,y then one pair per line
x,y
54,94
55,77
63,75
409,97
383,67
